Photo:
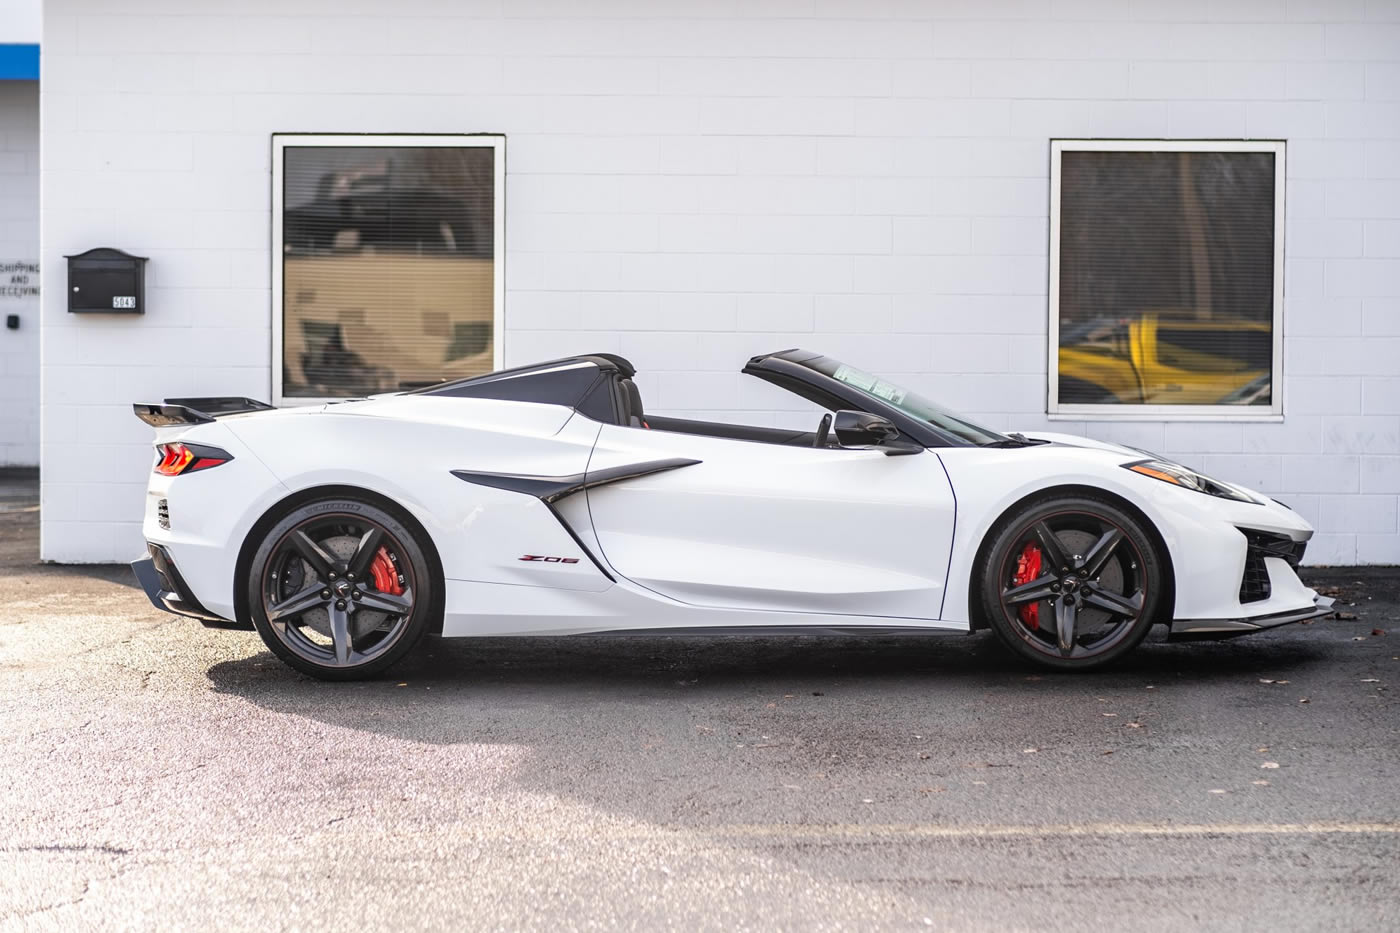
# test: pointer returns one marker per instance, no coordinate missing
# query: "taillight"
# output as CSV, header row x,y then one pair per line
x,y
176,459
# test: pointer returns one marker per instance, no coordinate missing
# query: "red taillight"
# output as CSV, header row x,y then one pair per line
x,y
187,458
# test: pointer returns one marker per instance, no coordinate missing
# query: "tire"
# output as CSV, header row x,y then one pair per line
x,y
341,589
1099,572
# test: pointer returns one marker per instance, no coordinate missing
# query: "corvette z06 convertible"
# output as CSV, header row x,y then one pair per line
x,y
545,500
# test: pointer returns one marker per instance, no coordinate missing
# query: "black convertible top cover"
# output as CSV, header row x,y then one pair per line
x,y
556,382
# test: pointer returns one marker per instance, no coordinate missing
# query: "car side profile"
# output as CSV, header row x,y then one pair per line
x,y
544,500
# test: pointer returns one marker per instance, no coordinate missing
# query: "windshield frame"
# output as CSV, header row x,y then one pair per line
x,y
793,370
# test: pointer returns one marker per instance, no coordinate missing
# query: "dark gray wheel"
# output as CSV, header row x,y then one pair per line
x,y
1071,583
340,589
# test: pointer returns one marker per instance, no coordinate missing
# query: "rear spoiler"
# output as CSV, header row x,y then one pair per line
x,y
195,410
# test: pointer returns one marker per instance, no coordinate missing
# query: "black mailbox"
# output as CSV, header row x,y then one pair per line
x,y
107,280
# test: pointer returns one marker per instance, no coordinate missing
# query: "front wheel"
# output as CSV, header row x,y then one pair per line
x,y
1071,583
340,589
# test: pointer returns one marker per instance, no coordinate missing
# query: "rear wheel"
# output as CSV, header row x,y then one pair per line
x,y
1071,583
340,589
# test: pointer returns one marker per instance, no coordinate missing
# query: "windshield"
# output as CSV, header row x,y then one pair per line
x,y
911,403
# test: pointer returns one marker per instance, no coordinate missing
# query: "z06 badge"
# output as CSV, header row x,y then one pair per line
x,y
551,560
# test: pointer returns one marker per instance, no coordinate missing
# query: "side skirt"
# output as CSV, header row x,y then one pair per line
x,y
769,631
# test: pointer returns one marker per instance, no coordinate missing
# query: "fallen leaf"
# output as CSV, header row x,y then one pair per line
x,y
983,783
1110,714
1133,725
1260,783
1264,681
923,756
1305,700
1108,751
1269,764
1262,748
866,800
1377,631
401,685
1370,680
1029,751
1280,681
1217,790
1358,638
1346,616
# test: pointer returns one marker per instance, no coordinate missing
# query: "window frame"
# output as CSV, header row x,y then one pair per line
x,y
1055,411
283,141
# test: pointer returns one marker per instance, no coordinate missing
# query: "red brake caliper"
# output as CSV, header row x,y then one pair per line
x,y
386,578
1028,569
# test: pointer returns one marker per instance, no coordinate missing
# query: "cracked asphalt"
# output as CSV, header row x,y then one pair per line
x,y
159,774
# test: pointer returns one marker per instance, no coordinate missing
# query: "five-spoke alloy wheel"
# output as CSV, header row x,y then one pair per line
x,y
1071,583
340,589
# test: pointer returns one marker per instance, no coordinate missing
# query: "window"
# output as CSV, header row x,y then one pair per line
x,y
386,272
1166,279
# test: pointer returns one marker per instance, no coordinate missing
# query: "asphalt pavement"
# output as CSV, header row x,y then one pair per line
x,y
159,774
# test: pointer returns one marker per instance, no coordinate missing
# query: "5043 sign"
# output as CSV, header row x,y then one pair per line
x,y
19,279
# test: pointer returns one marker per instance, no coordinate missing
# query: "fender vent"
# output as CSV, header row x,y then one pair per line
x,y
163,513
1254,585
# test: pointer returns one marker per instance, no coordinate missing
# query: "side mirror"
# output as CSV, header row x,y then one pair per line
x,y
861,429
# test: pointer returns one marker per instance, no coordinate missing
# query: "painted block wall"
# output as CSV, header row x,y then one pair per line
x,y
692,182
21,21
19,246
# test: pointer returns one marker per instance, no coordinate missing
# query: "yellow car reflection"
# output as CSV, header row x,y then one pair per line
x,y
1165,358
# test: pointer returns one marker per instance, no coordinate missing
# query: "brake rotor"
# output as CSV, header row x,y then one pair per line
x,y
362,621
1075,542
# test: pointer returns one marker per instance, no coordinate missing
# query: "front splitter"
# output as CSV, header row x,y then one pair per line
x,y
1206,629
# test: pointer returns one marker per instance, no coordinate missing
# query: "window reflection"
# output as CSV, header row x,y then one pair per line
x,y
1166,292
388,268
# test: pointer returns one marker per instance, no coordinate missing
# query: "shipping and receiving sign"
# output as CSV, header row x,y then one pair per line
x,y
19,279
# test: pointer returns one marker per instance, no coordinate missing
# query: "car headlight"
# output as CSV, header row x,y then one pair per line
x,y
1178,475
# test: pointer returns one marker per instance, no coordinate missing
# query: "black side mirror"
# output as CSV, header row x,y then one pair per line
x,y
862,429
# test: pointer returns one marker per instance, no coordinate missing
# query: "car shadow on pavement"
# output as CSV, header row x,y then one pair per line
x,y
559,673
692,731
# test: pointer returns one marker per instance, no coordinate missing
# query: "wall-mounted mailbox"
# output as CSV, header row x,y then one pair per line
x,y
107,280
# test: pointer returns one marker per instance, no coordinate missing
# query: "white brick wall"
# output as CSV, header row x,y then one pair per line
x,y
19,241
692,182
20,21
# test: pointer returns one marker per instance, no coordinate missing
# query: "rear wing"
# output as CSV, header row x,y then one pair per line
x,y
195,410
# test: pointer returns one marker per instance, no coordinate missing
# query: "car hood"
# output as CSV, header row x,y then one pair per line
x,y
1075,440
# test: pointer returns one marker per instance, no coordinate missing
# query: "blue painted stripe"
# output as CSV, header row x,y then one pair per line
x,y
19,63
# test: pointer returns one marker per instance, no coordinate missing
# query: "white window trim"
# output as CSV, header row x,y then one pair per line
x,y
1059,412
283,141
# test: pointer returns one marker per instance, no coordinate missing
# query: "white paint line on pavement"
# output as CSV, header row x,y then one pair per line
x,y
934,831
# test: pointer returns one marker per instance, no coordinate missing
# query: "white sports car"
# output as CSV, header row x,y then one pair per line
x,y
543,500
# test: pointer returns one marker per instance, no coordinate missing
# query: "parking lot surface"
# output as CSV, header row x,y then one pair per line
x,y
159,774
